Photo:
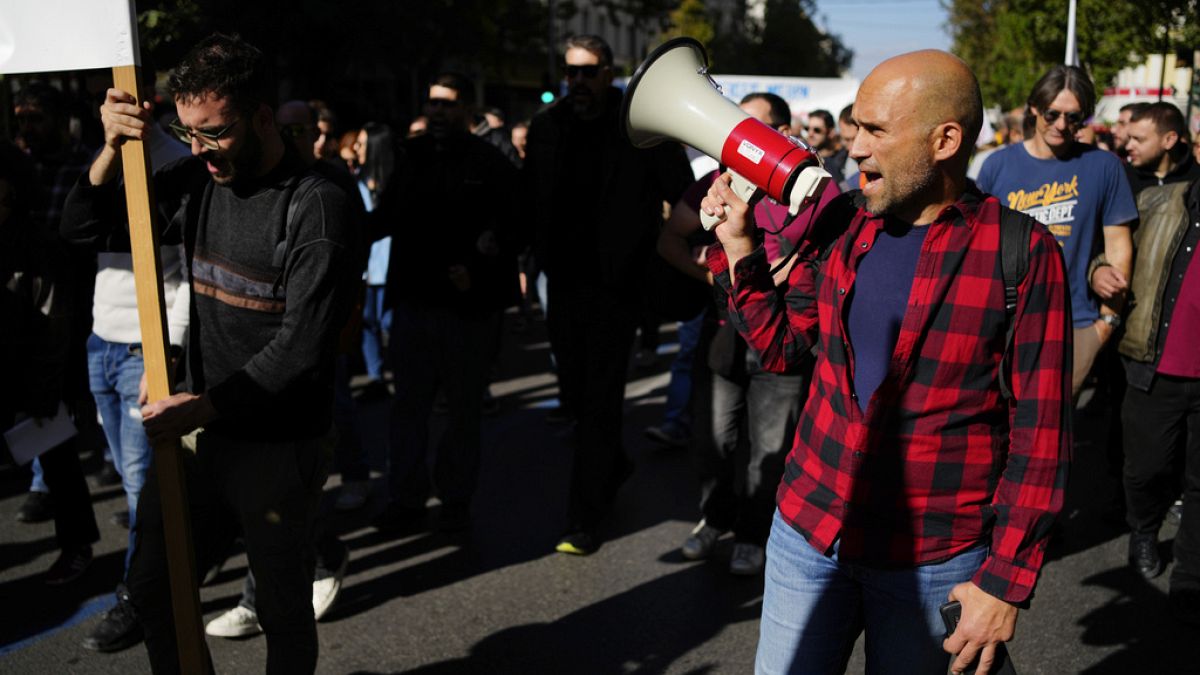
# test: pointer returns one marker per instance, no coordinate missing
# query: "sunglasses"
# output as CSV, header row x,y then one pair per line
x,y
1074,119
295,130
588,72
442,103
208,138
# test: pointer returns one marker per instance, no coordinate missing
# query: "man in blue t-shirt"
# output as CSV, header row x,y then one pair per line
x,y
1077,191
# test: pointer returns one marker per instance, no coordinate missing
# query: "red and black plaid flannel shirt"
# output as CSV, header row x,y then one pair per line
x,y
940,462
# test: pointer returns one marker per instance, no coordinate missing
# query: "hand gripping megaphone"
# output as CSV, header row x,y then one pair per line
x,y
671,97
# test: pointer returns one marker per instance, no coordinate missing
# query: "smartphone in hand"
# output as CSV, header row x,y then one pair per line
x,y
1002,665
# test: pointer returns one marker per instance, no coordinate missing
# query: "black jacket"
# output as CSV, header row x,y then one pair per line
x,y
618,218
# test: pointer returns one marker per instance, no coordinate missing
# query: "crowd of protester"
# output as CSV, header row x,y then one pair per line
x,y
406,254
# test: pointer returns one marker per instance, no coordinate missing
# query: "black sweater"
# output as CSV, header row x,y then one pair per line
x,y
268,299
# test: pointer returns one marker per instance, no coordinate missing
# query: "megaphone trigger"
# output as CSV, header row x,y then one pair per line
x,y
741,187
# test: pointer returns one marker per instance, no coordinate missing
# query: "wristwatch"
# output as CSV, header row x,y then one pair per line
x,y
1113,320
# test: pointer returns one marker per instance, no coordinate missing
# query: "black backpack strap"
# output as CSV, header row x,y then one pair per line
x,y
1015,230
299,187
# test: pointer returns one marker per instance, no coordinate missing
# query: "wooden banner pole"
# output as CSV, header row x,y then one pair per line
x,y
147,271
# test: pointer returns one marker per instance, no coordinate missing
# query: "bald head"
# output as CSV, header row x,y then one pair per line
x,y
921,113
936,87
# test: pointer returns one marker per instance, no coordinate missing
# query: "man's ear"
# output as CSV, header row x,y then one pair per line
x,y
1170,139
947,139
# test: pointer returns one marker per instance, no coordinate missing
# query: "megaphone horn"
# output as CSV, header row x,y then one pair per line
x,y
671,97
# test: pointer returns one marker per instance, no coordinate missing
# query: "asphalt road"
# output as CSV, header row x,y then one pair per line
x,y
498,600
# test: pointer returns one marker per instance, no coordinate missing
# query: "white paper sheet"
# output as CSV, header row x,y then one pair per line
x,y
28,439
50,35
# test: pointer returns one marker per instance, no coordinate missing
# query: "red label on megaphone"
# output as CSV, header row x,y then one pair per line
x,y
765,157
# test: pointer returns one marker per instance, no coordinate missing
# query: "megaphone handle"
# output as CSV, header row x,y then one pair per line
x,y
741,187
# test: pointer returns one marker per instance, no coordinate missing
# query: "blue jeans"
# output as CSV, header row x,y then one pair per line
x,y
38,482
679,388
377,323
814,607
114,373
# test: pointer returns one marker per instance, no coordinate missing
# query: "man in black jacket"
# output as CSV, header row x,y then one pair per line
x,y
452,269
269,253
597,206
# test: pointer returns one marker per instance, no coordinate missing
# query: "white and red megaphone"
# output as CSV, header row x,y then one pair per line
x,y
671,97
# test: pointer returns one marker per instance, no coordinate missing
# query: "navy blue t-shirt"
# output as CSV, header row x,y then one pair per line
x,y
1073,197
881,288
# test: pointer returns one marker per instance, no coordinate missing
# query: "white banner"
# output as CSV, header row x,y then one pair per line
x,y
803,94
51,35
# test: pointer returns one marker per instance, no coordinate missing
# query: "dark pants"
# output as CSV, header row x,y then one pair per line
x,y
434,346
351,456
266,491
737,491
330,552
592,333
74,518
1162,433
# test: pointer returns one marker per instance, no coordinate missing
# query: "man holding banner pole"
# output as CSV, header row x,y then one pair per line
x,y
269,254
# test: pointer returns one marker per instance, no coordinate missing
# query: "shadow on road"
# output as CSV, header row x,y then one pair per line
x,y
643,630
1136,620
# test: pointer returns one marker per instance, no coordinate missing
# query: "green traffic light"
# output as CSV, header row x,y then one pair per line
x,y
547,97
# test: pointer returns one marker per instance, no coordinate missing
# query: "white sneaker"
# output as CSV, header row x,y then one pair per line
x,y
747,560
353,496
325,591
701,542
237,622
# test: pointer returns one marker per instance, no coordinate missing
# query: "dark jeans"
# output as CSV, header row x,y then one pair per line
x,y
737,490
591,331
330,552
266,491
434,346
1162,432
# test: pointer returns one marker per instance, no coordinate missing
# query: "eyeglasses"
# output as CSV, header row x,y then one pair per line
x,y
208,138
588,72
1074,119
443,103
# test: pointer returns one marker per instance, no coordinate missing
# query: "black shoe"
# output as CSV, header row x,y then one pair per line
x,y
454,518
119,629
398,519
1184,605
70,565
1143,555
108,476
120,519
38,508
578,542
